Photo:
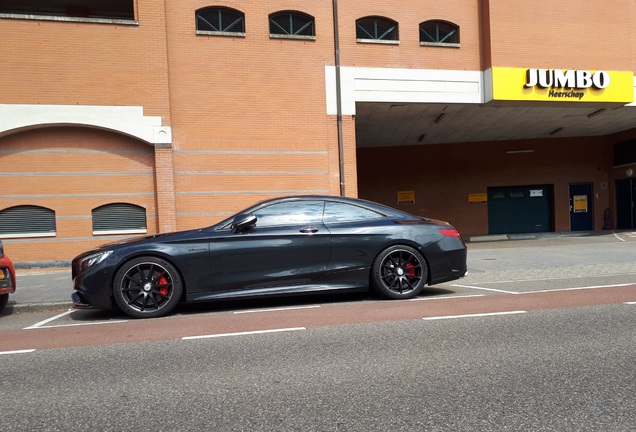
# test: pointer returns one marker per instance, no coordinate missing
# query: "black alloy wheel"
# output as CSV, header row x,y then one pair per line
x,y
147,287
399,272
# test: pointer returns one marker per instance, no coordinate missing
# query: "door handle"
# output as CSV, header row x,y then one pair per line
x,y
309,230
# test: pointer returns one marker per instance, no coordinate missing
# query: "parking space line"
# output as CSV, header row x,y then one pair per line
x,y
41,324
276,309
244,333
485,289
474,315
83,324
444,297
579,288
17,351
46,321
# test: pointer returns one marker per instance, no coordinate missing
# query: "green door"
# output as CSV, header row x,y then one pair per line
x,y
520,209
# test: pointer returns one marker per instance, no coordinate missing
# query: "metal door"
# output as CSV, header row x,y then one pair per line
x,y
625,197
581,207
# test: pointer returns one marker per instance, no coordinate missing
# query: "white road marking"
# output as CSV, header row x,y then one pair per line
x,y
485,289
244,333
46,321
618,237
41,324
276,309
579,288
17,352
445,297
82,324
473,315
630,303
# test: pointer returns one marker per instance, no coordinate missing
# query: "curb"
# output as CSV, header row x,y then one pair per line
x,y
35,307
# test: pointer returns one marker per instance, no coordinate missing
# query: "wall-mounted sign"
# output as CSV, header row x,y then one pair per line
x,y
579,203
477,198
406,197
562,85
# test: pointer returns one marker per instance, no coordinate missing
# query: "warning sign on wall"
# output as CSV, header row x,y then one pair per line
x,y
406,197
579,204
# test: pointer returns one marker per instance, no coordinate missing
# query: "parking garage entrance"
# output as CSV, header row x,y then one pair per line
x,y
520,209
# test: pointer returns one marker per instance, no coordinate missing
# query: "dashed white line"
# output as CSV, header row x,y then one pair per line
x,y
473,315
244,333
17,352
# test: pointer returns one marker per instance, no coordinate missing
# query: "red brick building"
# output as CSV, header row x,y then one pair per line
x,y
126,117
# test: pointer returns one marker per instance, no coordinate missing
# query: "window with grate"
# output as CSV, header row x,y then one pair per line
x,y
220,21
119,218
293,25
76,10
376,29
27,221
441,33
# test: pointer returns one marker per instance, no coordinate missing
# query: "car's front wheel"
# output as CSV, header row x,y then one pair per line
x,y
399,272
147,287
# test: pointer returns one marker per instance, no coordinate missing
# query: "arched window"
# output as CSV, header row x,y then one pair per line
x,y
290,24
220,21
27,221
119,218
439,33
376,29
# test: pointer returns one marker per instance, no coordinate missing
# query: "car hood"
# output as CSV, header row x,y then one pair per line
x,y
155,238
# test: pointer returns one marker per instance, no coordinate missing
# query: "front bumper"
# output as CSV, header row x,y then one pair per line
x,y
93,288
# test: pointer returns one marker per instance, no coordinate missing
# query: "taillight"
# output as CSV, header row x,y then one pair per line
x,y
449,232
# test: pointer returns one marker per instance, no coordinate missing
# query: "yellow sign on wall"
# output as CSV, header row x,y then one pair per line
x,y
562,85
406,197
580,203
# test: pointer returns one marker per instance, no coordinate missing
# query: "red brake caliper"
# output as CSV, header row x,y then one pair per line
x,y
164,289
410,270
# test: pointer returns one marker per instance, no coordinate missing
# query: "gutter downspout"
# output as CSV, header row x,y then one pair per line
x,y
338,96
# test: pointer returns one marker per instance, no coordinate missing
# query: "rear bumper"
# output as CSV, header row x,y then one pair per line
x,y
7,290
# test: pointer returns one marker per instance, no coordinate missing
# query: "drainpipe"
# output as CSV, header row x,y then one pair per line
x,y
338,96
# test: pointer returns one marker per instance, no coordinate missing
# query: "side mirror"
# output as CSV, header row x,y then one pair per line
x,y
243,222
1,249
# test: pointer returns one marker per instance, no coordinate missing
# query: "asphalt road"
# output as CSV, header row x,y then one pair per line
x,y
555,370
539,336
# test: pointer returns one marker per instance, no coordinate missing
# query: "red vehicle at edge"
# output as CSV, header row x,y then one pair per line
x,y
7,278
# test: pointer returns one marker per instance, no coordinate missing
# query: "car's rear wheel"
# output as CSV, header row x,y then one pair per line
x,y
4,298
147,287
399,272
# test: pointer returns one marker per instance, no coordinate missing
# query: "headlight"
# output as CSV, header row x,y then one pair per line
x,y
92,260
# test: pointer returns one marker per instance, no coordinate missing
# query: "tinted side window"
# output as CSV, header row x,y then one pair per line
x,y
340,212
290,213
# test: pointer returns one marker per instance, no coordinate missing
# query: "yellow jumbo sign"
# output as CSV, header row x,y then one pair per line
x,y
562,85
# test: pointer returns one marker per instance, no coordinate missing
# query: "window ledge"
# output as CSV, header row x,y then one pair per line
x,y
27,235
121,231
69,19
378,41
301,37
441,44
220,33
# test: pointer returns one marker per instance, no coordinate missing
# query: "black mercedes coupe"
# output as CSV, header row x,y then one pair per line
x,y
290,245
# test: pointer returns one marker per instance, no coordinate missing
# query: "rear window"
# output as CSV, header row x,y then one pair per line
x,y
341,212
